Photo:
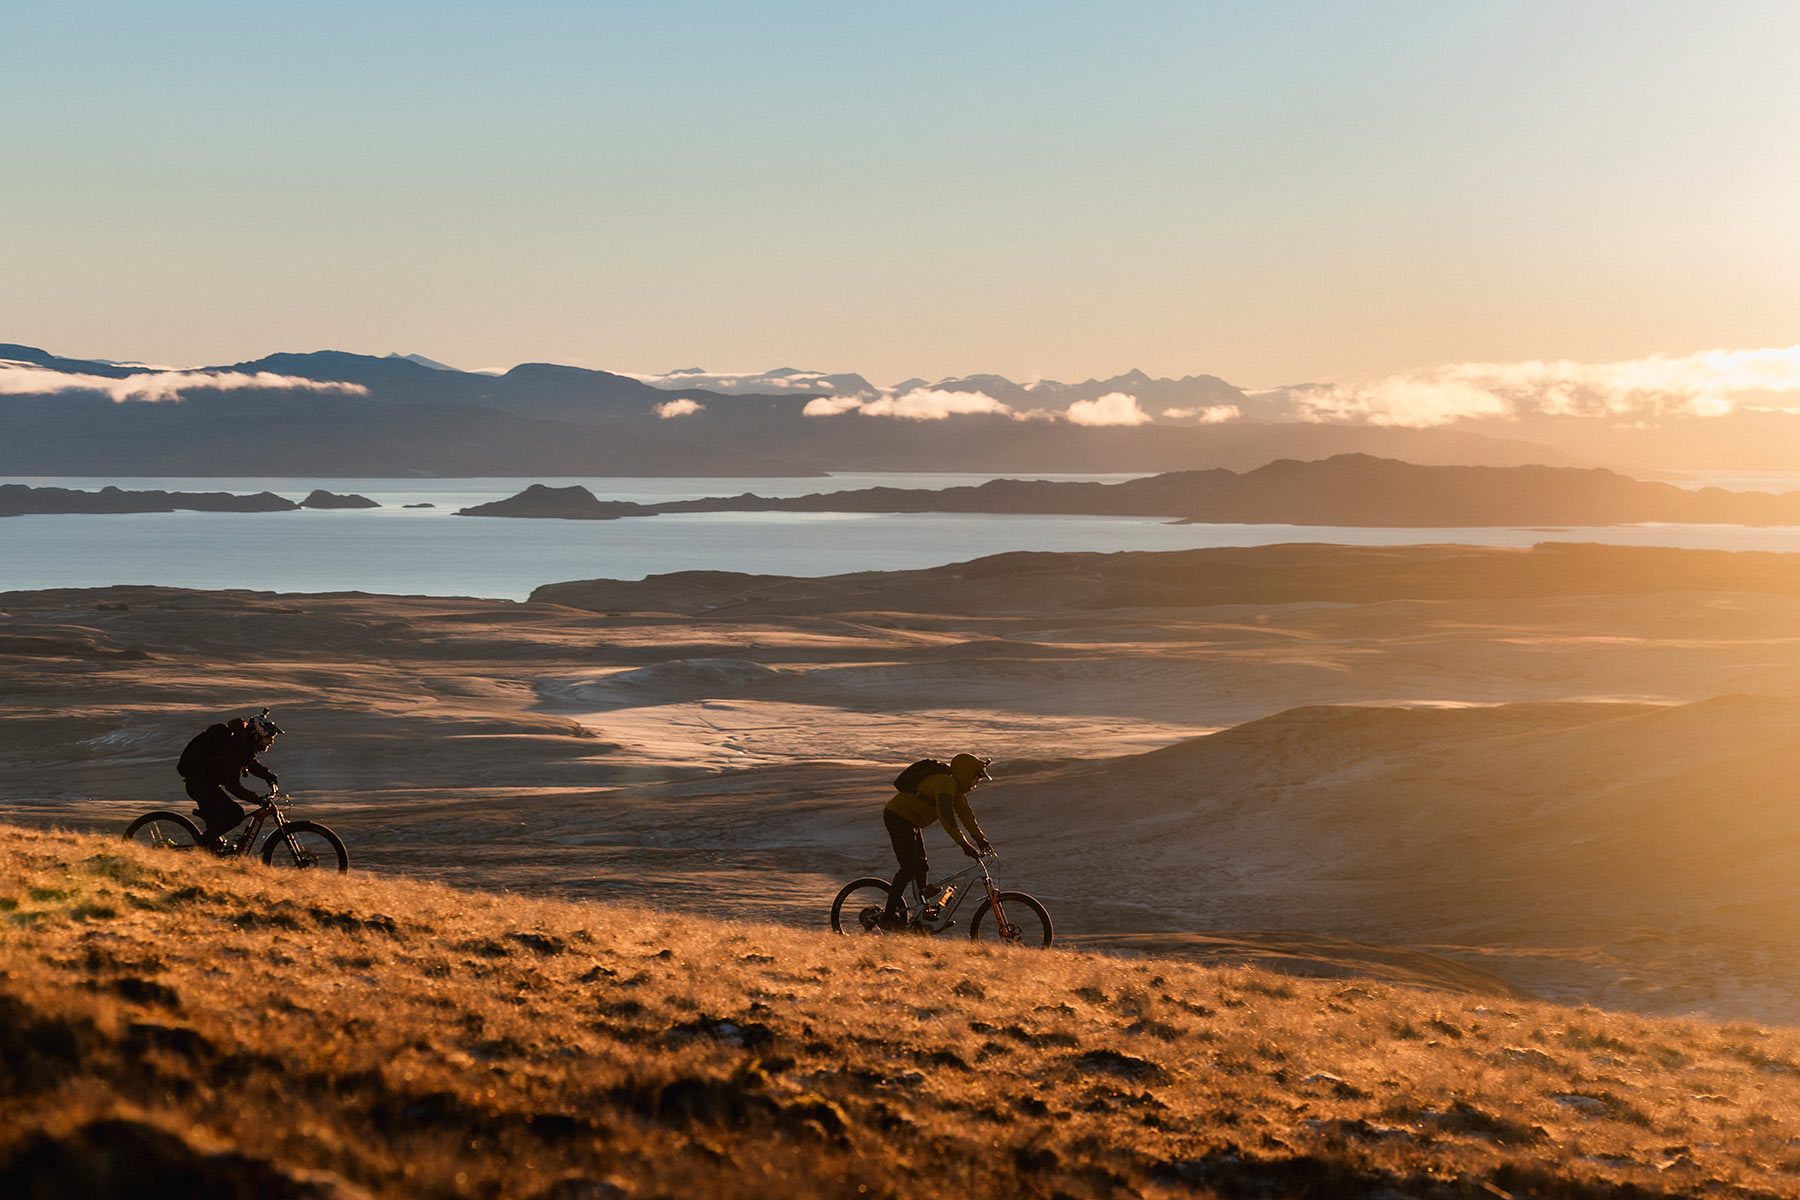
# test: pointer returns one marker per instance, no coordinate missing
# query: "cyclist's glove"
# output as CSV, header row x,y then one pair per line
x,y
970,850
272,781
987,847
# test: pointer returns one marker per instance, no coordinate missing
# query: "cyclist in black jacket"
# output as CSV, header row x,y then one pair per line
x,y
213,763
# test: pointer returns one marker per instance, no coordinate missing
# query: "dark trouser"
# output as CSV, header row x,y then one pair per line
x,y
220,812
909,848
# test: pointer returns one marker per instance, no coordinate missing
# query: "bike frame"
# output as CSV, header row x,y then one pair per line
x,y
962,892
273,805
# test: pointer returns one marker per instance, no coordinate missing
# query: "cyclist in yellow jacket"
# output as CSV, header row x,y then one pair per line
x,y
942,796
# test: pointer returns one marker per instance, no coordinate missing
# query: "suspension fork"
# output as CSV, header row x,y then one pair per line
x,y
1006,928
281,831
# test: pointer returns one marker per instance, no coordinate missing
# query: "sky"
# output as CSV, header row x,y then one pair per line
x,y
1273,193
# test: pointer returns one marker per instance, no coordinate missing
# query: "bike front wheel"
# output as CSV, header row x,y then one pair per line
x,y
163,831
859,906
306,845
1025,923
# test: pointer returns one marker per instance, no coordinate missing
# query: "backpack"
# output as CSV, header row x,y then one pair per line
x,y
198,749
909,780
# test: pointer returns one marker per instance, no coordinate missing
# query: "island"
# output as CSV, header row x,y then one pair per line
x,y
1344,490
320,498
18,499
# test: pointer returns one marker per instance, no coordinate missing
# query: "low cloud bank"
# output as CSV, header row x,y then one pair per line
x,y
1212,414
1710,383
931,404
937,404
1114,408
1641,391
919,404
23,379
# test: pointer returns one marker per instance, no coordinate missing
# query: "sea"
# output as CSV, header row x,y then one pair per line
x,y
414,544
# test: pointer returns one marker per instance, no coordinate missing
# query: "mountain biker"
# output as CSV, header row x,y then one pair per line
x,y
213,762
941,796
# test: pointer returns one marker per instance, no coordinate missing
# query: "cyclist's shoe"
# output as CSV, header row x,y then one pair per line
x,y
891,922
225,844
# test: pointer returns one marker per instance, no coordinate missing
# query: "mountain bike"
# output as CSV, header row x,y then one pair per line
x,y
302,844
1012,918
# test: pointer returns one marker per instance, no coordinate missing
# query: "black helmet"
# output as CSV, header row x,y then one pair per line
x,y
262,729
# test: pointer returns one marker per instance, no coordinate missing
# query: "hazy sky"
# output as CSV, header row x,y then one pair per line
x,y
1268,192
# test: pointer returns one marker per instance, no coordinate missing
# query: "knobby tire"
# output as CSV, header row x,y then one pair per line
x,y
858,894
164,831
319,847
1030,919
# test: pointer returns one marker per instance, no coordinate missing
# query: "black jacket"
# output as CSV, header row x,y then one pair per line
x,y
222,755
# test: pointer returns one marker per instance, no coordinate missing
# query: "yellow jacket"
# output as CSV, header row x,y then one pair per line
x,y
938,799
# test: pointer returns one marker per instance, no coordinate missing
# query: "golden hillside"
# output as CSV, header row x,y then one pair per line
x,y
1570,767
181,1026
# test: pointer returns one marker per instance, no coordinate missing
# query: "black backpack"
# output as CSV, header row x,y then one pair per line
x,y
198,748
909,780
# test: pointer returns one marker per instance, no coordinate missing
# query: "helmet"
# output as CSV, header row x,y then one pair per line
x,y
967,768
262,729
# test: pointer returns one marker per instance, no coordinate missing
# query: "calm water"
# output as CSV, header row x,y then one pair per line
x,y
427,551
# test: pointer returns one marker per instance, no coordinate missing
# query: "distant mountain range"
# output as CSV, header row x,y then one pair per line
x,y
1190,392
330,413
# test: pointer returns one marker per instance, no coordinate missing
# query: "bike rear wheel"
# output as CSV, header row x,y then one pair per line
x,y
306,845
859,906
163,831
1027,922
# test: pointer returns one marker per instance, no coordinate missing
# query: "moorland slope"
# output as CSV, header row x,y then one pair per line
x,y
1570,767
174,1026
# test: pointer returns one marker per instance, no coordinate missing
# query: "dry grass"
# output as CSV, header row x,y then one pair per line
x,y
219,1029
